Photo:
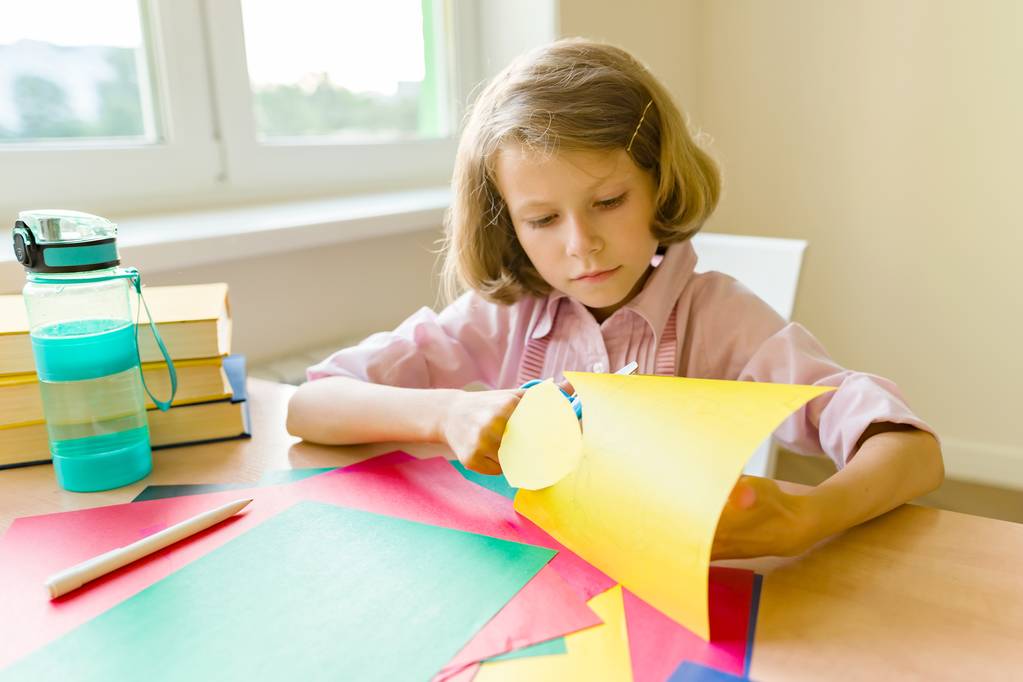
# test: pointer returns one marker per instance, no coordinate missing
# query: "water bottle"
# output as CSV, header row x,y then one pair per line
x,y
85,345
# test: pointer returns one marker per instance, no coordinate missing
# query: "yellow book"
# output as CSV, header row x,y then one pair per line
x,y
194,321
190,424
202,380
184,425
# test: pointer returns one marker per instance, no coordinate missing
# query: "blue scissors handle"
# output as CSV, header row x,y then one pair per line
x,y
573,400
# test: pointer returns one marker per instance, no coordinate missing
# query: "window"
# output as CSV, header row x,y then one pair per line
x,y
65,76
128,106
132,125
341,81
337,96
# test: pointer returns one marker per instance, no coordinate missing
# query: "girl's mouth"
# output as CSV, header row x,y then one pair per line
x,y
596,276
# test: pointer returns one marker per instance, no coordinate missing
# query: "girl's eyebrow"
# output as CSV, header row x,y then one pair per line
x,y
532,204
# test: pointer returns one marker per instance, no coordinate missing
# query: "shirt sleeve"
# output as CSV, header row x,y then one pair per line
x,y
764,348
463,344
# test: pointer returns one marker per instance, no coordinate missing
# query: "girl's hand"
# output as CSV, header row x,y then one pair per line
x,y
474,425
760,520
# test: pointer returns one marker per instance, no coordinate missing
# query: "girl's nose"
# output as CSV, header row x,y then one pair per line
x,y
582,239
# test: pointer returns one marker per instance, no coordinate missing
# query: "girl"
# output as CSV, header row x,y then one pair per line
x,y
576,190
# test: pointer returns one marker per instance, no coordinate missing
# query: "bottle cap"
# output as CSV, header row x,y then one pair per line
x,y
64,241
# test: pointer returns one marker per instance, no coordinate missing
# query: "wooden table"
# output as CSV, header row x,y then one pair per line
x,y
917,593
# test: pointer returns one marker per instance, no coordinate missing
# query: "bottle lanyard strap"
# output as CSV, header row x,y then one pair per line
x,y
135,279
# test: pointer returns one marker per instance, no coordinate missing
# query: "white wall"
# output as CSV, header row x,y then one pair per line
x,y
888,135
304,299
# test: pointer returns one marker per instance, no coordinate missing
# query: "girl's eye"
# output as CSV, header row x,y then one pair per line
x,y
542,222
614,201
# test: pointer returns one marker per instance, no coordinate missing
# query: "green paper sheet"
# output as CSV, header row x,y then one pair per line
x,y
316,592
498,484
159,492
551,647
291,475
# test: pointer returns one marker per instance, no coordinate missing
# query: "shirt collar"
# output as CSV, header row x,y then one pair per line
x,y
550,308
654,303
660,294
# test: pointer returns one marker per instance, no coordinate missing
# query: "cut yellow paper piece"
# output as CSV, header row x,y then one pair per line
x,y
597,653
660,456
541,442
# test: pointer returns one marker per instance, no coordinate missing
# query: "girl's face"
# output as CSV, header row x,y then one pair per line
x,y
584,219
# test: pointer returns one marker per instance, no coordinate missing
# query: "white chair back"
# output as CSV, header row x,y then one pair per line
x,y
770,268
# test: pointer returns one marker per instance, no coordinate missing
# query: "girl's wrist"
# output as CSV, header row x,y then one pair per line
x,y
443,402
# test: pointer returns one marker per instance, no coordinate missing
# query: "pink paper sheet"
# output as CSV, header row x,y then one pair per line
x,y
507,630
36,547
658,645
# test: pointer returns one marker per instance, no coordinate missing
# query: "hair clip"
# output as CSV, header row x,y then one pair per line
x,y
632,139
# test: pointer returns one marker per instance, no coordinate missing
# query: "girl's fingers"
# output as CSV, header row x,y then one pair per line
x,y
509,407
495,429
744,494
486,465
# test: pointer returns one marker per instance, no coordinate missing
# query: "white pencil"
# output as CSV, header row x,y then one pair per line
x,y
79,574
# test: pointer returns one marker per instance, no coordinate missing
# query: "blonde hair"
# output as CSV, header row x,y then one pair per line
x,y
571,95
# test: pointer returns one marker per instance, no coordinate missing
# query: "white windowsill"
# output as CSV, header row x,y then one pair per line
x,y
172,241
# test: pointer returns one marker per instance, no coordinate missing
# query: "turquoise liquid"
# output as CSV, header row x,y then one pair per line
x,y
94,403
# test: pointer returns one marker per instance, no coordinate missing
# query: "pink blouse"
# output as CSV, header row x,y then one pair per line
x,y
682,323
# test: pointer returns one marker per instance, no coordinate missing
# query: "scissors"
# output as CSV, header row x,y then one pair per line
x,y
573,398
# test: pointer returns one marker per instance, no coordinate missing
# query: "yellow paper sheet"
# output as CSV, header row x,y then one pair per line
x,y
538,449
593,654
660,456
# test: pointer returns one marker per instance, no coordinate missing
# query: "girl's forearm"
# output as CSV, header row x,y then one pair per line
x,y
343,411
890,468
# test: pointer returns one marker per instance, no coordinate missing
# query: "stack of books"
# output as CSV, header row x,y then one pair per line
x,y
195,324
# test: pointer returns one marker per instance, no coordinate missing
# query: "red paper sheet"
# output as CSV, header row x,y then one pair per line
x,y
394,484
520,624
465,674
433,486
658,645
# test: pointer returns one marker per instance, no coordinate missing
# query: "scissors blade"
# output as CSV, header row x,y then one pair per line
x,y
629,368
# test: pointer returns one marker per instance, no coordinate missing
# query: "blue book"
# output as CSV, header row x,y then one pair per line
x,y
207,422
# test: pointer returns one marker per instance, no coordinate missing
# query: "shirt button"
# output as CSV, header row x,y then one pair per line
x,y
599,368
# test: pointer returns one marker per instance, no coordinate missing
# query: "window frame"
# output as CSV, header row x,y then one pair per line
x,y
207,154
312,164
92,173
